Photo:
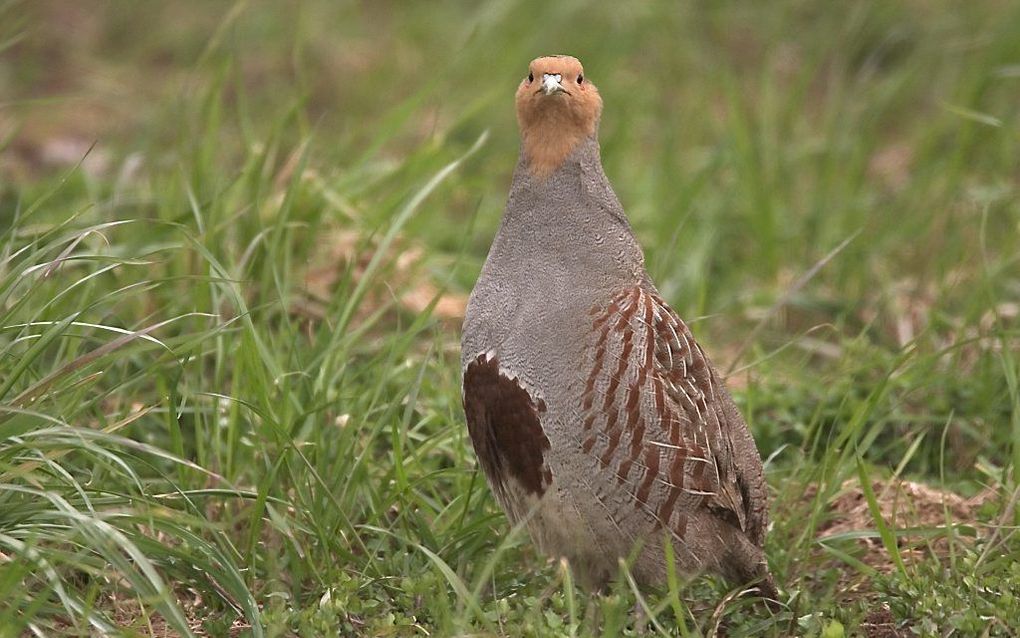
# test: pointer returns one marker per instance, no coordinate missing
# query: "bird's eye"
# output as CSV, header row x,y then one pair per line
x,y
580,79
531,77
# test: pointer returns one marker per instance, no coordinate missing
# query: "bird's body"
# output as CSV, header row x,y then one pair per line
x,y
596,417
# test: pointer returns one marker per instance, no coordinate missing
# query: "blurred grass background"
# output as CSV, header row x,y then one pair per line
x,y
237,238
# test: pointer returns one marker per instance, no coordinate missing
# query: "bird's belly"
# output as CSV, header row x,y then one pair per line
x,y
558,529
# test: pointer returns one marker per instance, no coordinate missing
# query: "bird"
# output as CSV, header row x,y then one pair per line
x,y
599,422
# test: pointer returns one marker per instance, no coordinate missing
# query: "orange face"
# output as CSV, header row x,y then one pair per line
x,y
555,87
557,107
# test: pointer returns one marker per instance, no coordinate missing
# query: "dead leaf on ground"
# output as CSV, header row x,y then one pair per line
x,y
904,505
405,282
126,612
892,165
880,623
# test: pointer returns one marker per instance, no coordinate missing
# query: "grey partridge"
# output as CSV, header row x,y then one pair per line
x,y
596,417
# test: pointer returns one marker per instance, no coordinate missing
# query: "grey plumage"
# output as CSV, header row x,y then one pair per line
x,y
595,414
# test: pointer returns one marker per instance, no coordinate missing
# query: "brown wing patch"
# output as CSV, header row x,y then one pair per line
x,y
504,423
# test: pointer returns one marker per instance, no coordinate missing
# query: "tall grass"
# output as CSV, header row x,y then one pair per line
x,y
219,409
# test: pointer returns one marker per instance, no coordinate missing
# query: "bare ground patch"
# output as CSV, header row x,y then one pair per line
x,y
925,519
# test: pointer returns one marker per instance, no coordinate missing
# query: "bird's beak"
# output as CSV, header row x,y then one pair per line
x,y
551,84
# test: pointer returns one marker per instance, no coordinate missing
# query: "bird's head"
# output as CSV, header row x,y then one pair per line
x,y
557,107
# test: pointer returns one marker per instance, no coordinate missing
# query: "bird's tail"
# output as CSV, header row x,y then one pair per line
x,y
745,564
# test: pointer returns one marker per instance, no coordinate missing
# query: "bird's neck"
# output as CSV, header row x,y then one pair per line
x,y
555,165
551,141
568,224
576,191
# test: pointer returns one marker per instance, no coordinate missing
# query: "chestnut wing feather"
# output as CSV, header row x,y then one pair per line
x,y
656,413
504,422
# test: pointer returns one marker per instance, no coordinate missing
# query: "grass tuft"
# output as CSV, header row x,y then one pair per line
x,y
234,250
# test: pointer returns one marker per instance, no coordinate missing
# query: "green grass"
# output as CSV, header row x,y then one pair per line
x,y
218,406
